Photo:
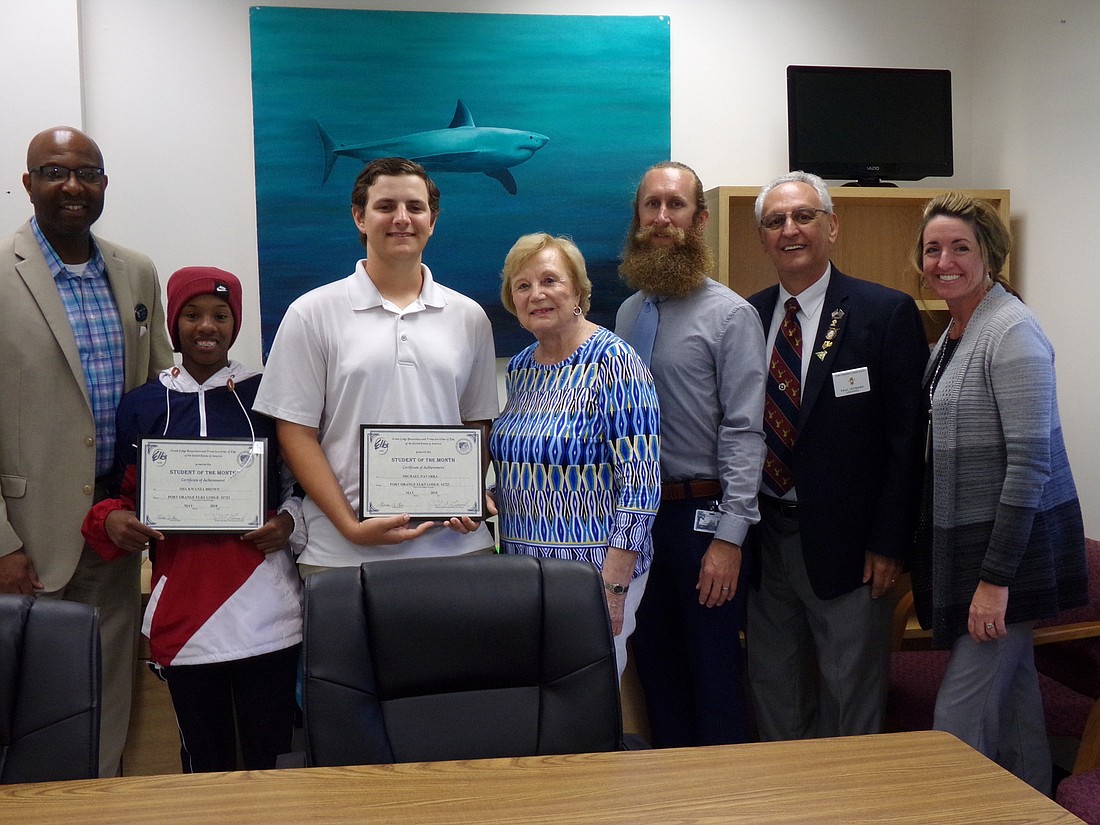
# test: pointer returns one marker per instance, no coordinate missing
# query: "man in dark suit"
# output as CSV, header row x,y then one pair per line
x,y
83,322
841,484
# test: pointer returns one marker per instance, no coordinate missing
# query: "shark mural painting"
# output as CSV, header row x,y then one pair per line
x,y
334,88
461,147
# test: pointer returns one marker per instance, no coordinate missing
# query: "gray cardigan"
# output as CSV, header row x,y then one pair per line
x,y
1005,509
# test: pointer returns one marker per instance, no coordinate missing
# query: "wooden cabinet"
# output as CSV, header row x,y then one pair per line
x,y
878,227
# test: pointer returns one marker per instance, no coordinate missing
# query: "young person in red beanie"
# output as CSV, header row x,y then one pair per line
x,y
224,619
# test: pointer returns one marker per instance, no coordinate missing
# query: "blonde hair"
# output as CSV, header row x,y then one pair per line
x,y
530,245
993,237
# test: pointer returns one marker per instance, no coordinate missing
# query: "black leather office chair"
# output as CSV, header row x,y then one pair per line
x,y
49,690
459,658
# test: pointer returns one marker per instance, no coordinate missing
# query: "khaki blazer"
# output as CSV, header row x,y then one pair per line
x,y
47,434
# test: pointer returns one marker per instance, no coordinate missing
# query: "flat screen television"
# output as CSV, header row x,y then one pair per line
x,y
869,124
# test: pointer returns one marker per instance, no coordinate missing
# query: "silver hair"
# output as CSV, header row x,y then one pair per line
x,y
795,177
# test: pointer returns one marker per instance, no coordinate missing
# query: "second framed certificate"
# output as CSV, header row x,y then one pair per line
x,y
427,472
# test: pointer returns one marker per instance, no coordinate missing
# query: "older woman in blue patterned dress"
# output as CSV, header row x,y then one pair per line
x,y
576,448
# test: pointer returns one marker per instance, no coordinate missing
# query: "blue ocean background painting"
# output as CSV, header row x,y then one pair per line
x,y
591,92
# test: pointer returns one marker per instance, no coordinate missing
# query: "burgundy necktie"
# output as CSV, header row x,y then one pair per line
x,y
781,402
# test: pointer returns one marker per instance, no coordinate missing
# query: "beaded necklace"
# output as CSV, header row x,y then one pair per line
x,y
946,352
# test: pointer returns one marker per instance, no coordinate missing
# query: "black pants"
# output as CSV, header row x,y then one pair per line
x,y
251,697
688,656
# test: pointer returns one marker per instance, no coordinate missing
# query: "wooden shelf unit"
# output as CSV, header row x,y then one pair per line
x,y
878,227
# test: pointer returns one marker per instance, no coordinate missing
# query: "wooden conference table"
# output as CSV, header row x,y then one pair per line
x,y
925,777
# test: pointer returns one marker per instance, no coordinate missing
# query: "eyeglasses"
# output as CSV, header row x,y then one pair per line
x,y
802,217
56,174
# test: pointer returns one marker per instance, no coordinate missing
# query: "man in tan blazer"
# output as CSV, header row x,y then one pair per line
x,y
82,323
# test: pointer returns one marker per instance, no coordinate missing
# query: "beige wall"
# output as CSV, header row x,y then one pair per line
x,y
1036,114
40,88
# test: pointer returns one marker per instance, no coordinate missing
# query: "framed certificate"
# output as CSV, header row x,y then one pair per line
x,y
427,472
202,485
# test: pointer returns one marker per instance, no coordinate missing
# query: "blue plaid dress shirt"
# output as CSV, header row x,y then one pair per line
x,y
90,305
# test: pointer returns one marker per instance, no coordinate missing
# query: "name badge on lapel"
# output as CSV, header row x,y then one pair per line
x,y
851,382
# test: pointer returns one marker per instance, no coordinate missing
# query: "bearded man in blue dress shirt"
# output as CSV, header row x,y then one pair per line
x,y
708,365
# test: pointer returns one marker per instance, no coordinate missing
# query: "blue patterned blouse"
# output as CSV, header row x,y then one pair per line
x,y
576,454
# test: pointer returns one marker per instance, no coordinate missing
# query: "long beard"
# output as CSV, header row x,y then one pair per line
x,y
674,271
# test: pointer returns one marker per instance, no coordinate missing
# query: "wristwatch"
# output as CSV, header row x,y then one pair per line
x,y
616,589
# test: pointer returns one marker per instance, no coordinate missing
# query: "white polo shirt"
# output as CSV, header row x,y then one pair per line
x,y
345,356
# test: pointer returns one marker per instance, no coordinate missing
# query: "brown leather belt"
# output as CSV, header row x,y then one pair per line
x,y
696,488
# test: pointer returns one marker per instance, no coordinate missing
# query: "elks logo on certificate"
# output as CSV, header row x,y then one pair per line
x,y
425,471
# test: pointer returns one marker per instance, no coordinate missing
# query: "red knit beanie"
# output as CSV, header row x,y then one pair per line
x,y
190,281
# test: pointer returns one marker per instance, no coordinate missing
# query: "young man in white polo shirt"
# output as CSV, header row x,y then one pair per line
x,y
387,345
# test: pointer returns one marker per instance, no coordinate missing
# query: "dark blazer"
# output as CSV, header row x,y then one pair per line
x,y
858,459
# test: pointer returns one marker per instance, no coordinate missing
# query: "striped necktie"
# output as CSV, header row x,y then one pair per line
x,y
781,402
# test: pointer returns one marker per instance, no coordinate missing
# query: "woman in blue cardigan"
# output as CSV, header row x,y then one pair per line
x,y
1002,541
